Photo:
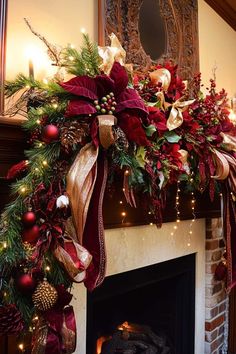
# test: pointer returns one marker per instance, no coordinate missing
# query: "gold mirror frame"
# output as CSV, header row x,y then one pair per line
x,y
181,23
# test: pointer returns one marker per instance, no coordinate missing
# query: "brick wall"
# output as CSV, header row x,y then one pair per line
x,y
216,300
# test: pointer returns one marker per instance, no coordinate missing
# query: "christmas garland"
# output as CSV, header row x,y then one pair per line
x,y
151,129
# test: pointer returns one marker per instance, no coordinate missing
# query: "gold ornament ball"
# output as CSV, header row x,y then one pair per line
x,y
45,296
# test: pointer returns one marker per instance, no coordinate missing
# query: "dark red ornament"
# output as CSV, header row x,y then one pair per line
x,y
50,133
29,219
221,271
31,235
26,283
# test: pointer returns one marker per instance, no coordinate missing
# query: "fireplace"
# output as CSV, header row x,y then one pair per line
x,y
160,297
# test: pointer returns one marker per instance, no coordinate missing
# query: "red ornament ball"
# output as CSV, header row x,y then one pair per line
x,y
29,219
31,235
50,133
26,283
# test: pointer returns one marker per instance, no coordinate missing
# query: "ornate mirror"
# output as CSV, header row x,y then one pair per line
x,y
153,30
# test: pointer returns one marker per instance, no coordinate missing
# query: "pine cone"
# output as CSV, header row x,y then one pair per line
x,y
11,321
73,133
45,296
120,138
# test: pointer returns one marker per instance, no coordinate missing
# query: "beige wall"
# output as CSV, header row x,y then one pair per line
x,y
217,42
60,21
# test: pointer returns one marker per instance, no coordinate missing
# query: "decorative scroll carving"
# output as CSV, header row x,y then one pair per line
x,y
180,18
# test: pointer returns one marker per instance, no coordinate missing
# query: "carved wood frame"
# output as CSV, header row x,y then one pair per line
x,y
181,23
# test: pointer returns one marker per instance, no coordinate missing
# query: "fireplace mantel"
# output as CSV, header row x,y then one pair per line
x,y
13,142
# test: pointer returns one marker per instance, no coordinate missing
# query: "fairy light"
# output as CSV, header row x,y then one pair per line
x,y
71,58
151,223
38,121
5,244
22,189
47,268
27,87
72,46
193,202
123,213
126,172
45,81
82,30
55,105
21,346
45,163
120,202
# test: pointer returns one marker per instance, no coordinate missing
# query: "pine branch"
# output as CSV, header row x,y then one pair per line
x,y
90,55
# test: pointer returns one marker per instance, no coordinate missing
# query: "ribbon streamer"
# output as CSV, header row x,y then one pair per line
x,y
80,183
105,122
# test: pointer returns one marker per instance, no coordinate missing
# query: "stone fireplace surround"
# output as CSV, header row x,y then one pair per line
x,y
140,246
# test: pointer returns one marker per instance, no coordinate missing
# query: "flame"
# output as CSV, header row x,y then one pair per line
x,y
100,342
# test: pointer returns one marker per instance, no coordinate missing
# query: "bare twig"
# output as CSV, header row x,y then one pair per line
x,y
52,49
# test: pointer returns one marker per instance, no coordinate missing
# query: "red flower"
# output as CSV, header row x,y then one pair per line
x,y
90,89
132,127
157,118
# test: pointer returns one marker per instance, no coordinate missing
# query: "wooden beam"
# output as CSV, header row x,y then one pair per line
x,y
225,10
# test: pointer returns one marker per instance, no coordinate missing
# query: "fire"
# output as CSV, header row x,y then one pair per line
x,y
100,342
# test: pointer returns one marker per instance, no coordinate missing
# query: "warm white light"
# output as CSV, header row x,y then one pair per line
x,y
123,213
21,346
4,244
45,163
82,30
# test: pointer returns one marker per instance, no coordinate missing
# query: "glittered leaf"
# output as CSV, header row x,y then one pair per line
x,y
172,137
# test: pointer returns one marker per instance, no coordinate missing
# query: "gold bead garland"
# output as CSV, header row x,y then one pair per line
x,y
45,296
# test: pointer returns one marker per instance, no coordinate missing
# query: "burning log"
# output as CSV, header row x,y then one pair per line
x,y
133,338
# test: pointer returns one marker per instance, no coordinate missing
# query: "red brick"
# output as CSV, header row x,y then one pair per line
x,y
209,326
221,330
222,243
216,344
222,307
212,244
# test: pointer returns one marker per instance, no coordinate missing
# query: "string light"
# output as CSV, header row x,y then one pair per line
x,y
47,268
193,202
23,190
45,163
5,244
71,58
120,202
45,81
27,87
21,346
72,46
54,105
82,30
38,121
175,227
123,213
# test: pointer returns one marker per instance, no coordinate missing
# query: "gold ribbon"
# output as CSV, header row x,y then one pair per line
x,y
80,182
229,142
161,75
105,122
77,272
112,53
175,119
222,165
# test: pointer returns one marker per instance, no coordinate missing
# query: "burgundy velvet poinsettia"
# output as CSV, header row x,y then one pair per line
x,y
86,90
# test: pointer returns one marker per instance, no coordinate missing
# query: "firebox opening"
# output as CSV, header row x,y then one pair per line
x,y
151,307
